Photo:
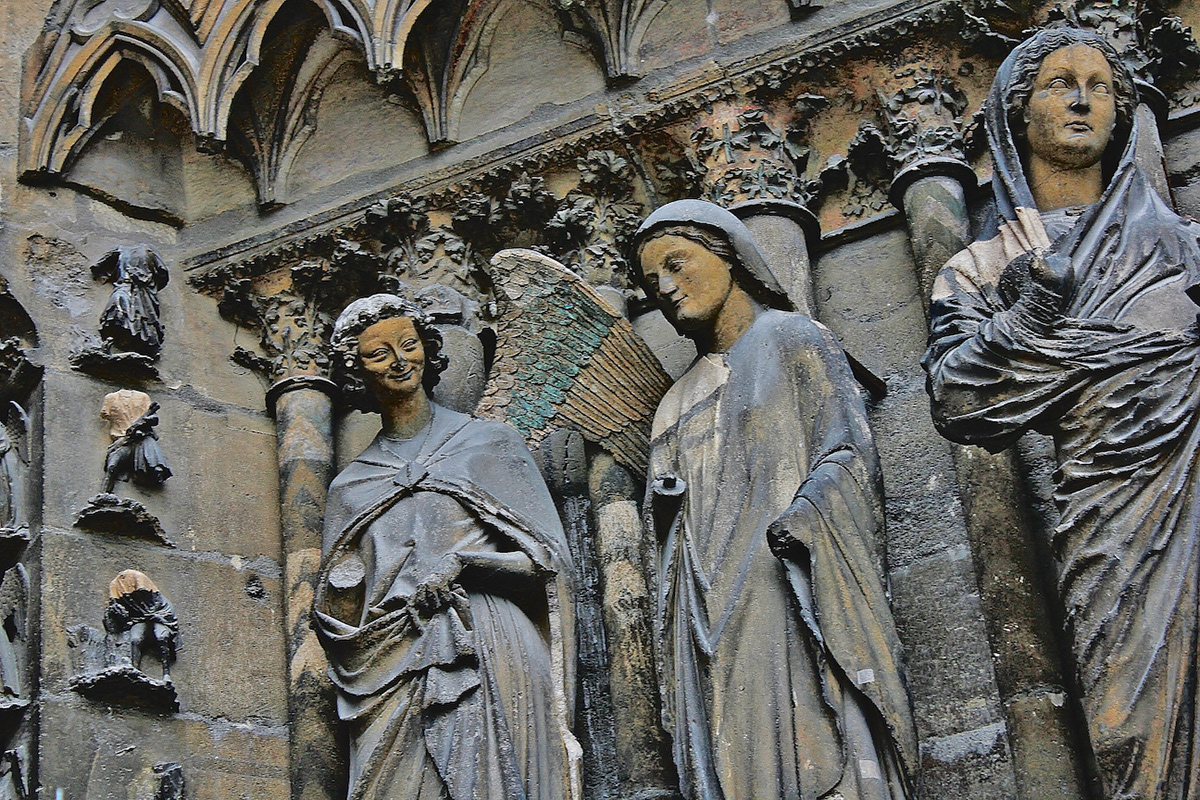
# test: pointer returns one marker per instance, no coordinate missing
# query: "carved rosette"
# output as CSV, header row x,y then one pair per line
x,y
922,130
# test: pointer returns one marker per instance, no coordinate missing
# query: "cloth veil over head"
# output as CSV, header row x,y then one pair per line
x,y
1008,178
1106,360
705,215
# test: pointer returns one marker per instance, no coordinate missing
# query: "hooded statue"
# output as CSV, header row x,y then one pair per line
x,y
1076,322
779,661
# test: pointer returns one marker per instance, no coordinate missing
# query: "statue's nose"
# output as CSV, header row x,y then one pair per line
x,y
1081,99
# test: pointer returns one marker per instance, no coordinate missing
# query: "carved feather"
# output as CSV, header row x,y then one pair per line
x,y
566,358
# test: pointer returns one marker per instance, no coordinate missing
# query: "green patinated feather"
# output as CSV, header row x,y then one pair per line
x,y
566,358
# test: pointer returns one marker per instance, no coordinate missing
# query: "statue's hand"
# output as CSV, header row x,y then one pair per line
x,y
1051,271
436,590
1039,282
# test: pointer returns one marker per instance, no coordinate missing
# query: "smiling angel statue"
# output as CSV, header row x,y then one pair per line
x,y
445,586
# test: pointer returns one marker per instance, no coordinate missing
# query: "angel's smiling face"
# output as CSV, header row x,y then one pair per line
x,y
692,283
393,358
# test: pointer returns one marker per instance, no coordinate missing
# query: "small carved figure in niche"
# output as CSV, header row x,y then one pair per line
x,y
133,455
14,468
765,490
14,591
134,452
138,618
131,317
138,615
131,331
442,553
1071,316
18,378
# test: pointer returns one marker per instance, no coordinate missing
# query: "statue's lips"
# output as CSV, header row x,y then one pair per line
x,y
677,299
400,376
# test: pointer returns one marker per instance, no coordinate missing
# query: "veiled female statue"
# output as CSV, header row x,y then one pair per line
x,y
444,589
1070,316
780,664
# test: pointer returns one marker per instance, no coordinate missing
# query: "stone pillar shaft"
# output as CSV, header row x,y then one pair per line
x,y
304,427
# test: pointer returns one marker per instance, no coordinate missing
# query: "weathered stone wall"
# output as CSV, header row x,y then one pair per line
x,y
297,178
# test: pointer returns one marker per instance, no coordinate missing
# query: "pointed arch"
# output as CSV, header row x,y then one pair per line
x,y
394,22
64,122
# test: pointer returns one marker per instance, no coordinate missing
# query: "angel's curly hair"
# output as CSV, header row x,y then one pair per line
x,y
362,314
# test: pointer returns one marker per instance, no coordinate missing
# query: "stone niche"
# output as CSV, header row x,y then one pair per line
x,y
282,159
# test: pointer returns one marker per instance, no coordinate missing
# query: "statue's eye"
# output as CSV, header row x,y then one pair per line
x,y
1058,84
378,353
1101,88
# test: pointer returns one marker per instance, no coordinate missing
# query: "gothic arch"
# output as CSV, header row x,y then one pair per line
x,y
64,121
201,56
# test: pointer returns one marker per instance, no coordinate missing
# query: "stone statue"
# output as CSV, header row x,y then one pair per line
x,y
1071,316
134,452
780,664
139,615
134,455
444,598
14,603
14,468
137,620
131,316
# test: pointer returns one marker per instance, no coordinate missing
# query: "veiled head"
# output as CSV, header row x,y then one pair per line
x,y
1049,92
365,315
721,234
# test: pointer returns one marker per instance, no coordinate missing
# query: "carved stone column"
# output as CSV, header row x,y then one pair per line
x,y
291,310
923,127
922,122
752,162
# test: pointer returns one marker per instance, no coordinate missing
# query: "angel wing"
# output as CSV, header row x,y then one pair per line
x,y
566,358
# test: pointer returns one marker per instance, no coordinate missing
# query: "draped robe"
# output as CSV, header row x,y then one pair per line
x,y
781,678
469,703
1114,379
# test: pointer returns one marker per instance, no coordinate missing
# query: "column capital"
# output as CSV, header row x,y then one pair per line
x,y
923,131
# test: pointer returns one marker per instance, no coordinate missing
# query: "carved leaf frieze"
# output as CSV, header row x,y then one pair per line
x,y
291,296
